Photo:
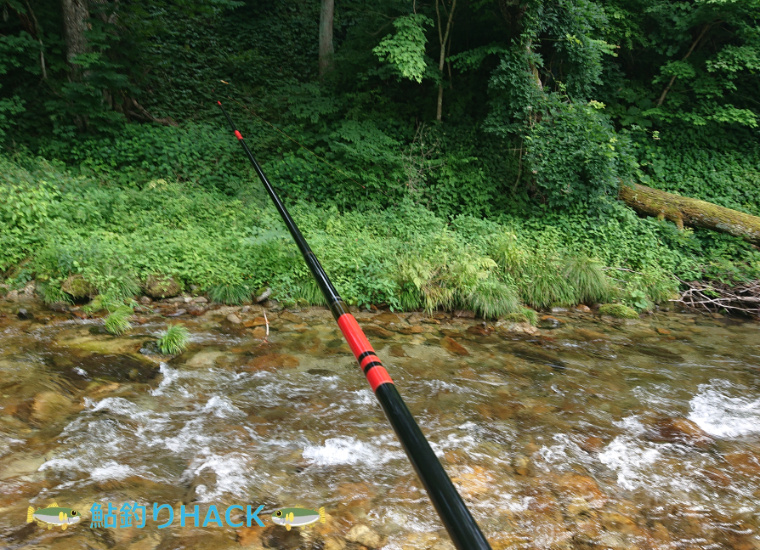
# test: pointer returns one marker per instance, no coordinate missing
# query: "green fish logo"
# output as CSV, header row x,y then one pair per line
x,y
53,515
298,517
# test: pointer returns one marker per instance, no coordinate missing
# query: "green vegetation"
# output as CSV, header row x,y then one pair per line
x,y
117,323
174,340
618,310
116,166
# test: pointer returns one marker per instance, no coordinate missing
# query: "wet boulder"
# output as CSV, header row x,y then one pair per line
x,y
679,430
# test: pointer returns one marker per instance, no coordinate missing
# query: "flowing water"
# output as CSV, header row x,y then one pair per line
x,y
596,434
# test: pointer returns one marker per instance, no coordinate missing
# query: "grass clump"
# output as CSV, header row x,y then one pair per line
x,y
232,294
117,323
492,299
619,311
588,279
174,340
51,293
524,315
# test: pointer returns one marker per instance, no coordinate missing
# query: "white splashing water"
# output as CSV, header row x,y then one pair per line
x,y
722,415
170,375
111,470
231,472
115,405
221,407
630,460
347,450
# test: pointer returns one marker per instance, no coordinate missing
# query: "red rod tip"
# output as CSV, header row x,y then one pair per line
x,y
219,102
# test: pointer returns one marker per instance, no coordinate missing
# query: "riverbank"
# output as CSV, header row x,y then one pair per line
x,y
114,240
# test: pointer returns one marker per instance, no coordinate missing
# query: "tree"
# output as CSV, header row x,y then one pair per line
x,y
326,50
75,15
444,38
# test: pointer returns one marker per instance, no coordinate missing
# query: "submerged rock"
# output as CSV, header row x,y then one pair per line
x,y
453,347
680,430
361,534
535,354
619,311
50,406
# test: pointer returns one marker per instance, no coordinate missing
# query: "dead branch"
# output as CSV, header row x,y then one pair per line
x,y
713,296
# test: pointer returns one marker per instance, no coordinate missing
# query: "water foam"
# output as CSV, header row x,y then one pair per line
x,y
346,450
221,407
170,376
231,473
721,415
111,470
630,460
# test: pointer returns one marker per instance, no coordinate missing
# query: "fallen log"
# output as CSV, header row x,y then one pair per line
x,y
692,212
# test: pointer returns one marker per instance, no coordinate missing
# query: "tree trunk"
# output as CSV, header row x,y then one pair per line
x,y
693,212
75,16
326,16
443,38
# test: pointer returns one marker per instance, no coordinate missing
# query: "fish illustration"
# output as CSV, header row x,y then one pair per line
x,y
297,517
53,515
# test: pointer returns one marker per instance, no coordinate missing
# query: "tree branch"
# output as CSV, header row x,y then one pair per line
x,y
684,58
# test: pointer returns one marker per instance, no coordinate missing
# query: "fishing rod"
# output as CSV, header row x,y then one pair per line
x,y
461,526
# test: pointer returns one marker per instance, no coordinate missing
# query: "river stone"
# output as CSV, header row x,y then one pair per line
x,y
204,359
50,406
534,354
397,350
585,487
374,330
78,288
521,464
361,534
22,467
334,543
234,319
278,537
249,537
413,329
151,542
453,347
681,430
272,360
24,314
161,286
547,321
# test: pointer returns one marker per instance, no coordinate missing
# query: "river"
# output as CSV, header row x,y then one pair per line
x,y
598,433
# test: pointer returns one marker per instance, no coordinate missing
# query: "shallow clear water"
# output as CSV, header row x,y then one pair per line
x,y
598,434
